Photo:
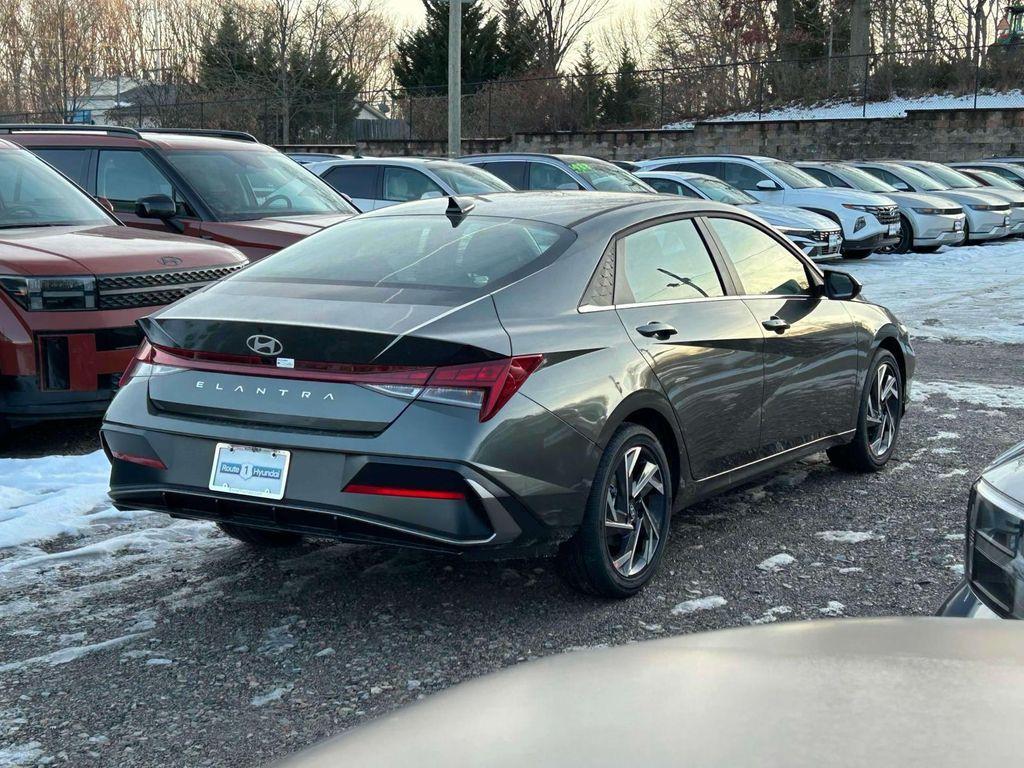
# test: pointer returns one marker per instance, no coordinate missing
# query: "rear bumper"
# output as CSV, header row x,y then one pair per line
x,y
523,480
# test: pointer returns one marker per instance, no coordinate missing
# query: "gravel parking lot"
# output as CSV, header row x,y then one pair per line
x,y
133,640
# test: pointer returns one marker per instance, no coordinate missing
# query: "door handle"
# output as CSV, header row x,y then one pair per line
x,y
776,324
657,330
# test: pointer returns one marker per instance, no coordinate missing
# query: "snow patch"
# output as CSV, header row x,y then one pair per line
x,y
849,537
945,436
20,754
834,608
65,655
776,562
772,614
271,696
698,604
988,395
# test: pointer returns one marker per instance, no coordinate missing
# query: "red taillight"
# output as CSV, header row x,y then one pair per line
x,y
144,354
407,493
496,380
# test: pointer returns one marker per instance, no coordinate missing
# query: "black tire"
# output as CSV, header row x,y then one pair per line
x,y
927,248
871,448
906,242
261,537
586,559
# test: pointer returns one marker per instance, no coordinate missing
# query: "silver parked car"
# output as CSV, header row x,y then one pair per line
x,y
524,170
927,222
988,218
379,182
957,180
815,235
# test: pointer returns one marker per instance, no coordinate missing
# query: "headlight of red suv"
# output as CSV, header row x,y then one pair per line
x,y
51,294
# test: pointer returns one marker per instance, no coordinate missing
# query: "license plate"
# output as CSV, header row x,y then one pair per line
x,y
248,471
1006,220
958,226
894,229
833,241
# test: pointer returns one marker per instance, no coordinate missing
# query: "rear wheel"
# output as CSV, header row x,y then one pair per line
x,y
878,424
260,537
625,524
906,242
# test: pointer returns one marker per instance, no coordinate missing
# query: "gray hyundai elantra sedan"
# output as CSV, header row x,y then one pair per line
x,y
503,376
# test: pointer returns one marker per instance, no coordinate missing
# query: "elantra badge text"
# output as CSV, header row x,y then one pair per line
x,y
264,345
303,394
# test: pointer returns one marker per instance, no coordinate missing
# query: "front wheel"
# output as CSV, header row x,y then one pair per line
x,y
906,242
878,423
625,525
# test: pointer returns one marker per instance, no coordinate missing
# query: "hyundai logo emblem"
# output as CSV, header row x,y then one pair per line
x,y
264,345
170,261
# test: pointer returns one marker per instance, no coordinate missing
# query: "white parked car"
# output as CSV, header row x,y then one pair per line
x,y
927,222
815,235
380,182
1011,171
956,180
870,222
988,218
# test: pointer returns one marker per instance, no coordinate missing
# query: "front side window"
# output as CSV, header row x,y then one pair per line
x,y
510,171
125,175
791,176
245,184
825,177
741,176
765,266
545,176
666,262
865,182
419,252
32,194
404,184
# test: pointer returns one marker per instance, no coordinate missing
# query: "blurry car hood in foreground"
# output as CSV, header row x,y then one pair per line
x,y
882,692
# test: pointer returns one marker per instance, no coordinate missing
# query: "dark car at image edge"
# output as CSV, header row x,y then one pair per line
x,y
73,283
506,375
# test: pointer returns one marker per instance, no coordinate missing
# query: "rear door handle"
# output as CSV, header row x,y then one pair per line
x,y
657,330
776,324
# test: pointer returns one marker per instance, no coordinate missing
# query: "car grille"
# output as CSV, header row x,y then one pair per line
x,y
150,289
886,214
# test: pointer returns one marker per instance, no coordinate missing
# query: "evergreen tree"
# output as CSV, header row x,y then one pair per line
x,y
626,99
227,59
422,55
520,33
588,88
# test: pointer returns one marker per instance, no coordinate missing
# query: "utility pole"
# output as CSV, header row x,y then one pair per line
x,y
454,78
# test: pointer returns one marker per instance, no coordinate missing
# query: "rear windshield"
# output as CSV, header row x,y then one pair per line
x,y
469,180
471,257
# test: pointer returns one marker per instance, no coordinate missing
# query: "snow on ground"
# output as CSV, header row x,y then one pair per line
x,y
972,293
897,106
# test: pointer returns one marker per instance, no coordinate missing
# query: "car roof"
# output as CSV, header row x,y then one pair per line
x,y
558,158
120,136
724,155
562,208
408,161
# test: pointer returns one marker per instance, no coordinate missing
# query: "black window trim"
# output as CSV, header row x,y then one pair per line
x,y
378,179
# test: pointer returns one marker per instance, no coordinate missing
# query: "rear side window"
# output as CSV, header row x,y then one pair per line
x,y
475,256
354,180
741,176
666,262
711,169
123,176
512,173
765,266
404,184
73,163
545,176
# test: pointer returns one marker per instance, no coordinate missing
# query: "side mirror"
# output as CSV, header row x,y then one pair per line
x,y
156,207
767,185
841,286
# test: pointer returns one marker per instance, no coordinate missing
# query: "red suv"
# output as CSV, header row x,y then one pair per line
x,y
73,281
217,185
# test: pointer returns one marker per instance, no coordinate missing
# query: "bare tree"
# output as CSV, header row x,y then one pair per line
x,y
562,23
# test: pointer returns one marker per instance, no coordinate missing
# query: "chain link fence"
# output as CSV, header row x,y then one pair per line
x,y
876,85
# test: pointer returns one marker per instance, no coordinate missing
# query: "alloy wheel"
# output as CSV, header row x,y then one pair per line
x,y
635,512
883,410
